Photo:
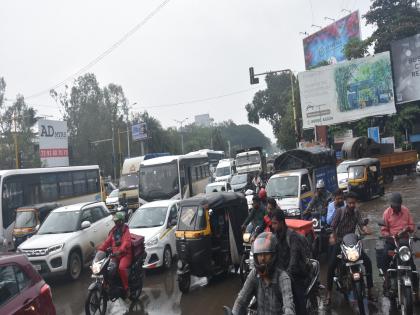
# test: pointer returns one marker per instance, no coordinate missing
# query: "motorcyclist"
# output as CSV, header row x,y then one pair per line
x,y
256,181
293,254
270,284
319,202
397,219
262,194
119,240
256,215
345,221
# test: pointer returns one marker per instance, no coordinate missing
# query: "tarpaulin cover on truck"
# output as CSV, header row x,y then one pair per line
x,y
308,158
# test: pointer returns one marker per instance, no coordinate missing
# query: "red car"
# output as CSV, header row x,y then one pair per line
x,y
22,289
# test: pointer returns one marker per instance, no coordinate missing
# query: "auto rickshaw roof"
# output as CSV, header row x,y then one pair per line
x,y
307,158
40,207
216,200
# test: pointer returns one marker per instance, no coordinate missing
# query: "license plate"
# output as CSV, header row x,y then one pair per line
x,y
37,267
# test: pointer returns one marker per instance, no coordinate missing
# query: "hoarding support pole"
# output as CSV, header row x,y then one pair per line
x,y
16,142
119,150
113,155
141,148
128,141
294,109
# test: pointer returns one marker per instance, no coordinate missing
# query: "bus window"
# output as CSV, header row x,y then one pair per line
x,y
201,172
32,189
79,183
12,199
92,181
49,187
65,185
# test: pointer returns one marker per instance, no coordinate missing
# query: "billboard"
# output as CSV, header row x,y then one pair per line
x,y
139,131
53,143
328,43
373,133
347,91
406,66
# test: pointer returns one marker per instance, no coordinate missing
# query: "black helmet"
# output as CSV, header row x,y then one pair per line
x,y
265,243
395,199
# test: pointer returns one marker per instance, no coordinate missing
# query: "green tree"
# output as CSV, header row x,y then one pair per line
x,y
274,104
356,48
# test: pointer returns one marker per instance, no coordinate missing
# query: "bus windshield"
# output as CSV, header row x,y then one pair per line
x,y
158,181
129,181
248,159
25,219
283,187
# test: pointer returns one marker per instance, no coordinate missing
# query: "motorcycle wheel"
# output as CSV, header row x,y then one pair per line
x,y
184,282
136,284
243,269
96,303
407,307
358,291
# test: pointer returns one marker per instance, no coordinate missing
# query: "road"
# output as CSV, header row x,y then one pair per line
x,y
161,295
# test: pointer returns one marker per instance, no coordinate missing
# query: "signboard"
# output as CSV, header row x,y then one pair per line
x,y
388,140
373,133
347,91
344,136
406,66
328,43
53,143
139,131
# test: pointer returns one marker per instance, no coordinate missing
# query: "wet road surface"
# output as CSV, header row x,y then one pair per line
x,y
161,295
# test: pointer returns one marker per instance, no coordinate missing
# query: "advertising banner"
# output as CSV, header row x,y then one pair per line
x,y
344,136
406,66
139,131
53,143
347,91
328,43
373,133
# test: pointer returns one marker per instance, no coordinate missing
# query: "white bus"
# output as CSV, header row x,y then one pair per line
x,y
25,187
175,176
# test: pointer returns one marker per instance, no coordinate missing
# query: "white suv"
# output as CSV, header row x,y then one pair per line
x,y
62,243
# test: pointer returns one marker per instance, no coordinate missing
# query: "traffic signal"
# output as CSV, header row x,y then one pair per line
x,y
252,78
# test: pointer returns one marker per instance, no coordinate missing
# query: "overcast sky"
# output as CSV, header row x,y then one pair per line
x,y
190,50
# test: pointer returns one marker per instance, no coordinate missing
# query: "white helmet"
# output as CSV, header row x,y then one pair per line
x,y
320,184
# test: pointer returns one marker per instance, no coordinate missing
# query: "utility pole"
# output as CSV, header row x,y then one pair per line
x,y
119,148
128,141
113,154
16,141
182,134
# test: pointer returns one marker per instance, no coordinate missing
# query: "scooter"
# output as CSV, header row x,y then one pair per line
x,y
401,279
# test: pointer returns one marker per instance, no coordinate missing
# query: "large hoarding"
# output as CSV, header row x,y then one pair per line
x,y
347,91
406,66
53,143
328,43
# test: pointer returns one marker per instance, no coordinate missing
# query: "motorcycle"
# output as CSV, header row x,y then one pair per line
x,y
312,293
349,277
322,233
107,284
400,274
246,263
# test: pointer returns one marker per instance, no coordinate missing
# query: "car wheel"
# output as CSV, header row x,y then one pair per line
x,y
167,258
74,267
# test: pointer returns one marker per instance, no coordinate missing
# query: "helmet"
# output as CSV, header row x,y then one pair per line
x,y
262,194
265,243
119,216
320,184
395,199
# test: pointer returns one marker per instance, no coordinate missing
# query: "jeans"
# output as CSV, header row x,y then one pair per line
x,y
334,261
299,297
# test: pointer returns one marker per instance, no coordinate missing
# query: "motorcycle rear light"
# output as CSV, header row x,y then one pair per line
x,y
356,276
45,289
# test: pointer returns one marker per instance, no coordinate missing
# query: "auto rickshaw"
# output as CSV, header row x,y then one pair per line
x,y
209,236
29,219
365,178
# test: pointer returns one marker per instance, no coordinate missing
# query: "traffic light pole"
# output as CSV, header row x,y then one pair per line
x,y
254,80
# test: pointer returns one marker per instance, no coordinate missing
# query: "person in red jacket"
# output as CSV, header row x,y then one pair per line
x,y
120,240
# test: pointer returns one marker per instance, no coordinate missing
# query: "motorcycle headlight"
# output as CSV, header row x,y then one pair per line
x,y
293,212
315,222
405,253
352,254
55,248
96,268
246,237
152,242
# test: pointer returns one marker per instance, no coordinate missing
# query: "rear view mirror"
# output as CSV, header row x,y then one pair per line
x,y
173,222
303,187
85,225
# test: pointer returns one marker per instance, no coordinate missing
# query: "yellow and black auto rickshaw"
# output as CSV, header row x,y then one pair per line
x,y
209,236
365,178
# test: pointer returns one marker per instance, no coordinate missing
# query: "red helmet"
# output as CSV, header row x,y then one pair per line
x,y
262,194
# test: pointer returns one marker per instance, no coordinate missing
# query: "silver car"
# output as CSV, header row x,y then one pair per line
x,y
62,243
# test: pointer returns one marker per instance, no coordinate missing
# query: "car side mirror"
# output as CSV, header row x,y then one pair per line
x,y
173,222
85,225
303,187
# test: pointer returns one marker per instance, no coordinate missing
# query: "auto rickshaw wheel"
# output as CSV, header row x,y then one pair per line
x,y
184,282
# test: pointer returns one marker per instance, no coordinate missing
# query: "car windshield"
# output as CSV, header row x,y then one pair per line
x,y
158,182
129,181
248,159
342,168
114,193
25,219
356,172
60,222
239,179
212,188
148,217
283,187
222,171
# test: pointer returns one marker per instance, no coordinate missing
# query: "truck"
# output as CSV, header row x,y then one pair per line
x,y
129,179
392,162
251,160
296,173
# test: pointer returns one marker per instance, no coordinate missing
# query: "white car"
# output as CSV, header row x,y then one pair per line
x,y
63,242
112,200
156,221
343,174
218,187
418,167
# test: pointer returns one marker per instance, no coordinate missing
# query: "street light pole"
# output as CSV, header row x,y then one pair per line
x,y
113,155
128,134
182,135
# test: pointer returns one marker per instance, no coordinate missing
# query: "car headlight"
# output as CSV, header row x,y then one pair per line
x,y
152,242
405,253
293,212
55,248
